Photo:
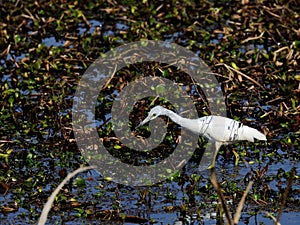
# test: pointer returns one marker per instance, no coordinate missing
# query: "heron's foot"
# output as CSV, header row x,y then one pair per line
x,y
204,165
211,166
237,157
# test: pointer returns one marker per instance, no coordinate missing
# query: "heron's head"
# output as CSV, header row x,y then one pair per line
x,y
154,113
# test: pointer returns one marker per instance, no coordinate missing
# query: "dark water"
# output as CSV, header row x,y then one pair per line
x,y
157,206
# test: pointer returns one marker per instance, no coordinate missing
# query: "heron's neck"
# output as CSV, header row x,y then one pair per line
x,y
190,124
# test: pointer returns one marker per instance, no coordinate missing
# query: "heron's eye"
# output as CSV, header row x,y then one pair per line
x,y
154,115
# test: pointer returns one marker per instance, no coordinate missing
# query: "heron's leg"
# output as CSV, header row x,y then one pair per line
x,y
208,156
217,147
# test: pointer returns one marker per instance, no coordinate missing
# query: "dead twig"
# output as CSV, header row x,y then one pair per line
x,y
216,185
238,212
253,38
285,195
272,217
50,201
279,50
6,51
111,77
242,74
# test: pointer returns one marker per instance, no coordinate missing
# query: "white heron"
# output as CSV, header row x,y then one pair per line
x,y
217,129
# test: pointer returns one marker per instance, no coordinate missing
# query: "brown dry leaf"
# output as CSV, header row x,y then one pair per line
x,y
67,43
8,209
12,207
5,187
76,204
245,2
240,78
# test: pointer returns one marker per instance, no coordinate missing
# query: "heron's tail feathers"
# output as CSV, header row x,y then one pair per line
x,y
250,134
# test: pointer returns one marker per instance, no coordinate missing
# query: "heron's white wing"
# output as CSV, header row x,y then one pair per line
x,y
222,129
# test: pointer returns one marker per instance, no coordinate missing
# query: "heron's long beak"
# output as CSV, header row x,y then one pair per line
x,y
144,122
